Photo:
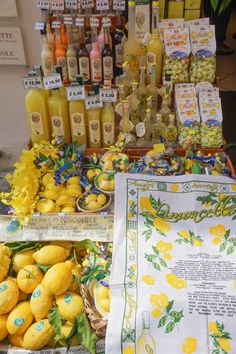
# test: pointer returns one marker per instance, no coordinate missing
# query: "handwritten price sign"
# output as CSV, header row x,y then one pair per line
x,y
75,93
52,81
32,82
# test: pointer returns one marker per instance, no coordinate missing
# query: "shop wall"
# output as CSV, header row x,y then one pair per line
x,y
13,124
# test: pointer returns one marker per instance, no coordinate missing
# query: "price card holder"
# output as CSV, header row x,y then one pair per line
x,y
79,21
75,93
108,95
93,102
32,82
58,5
40,26
94,22
43,5
119,5
106,22
56,24
52,81
68,20
102,5
86,4
71,4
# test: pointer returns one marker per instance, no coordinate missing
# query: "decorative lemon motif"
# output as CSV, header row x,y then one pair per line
x,y
28,278
16,340
3,327
218,230
20,318
160,301
175,282
224,344
9,295
51,254
145,205
38,335
70,305
174,188
184,234
129,350
189,345
161,225
5,261
213,328
58,278
163,246
40,302
148,279
23,259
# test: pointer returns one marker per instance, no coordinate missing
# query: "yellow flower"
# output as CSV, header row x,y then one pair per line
x,y
189,345
167,256
130,215
133,278
213,328
207,204
163,246
145,205
184,234
86,263
197,243
177,283
221,196
233,187
130,202
218,230
216,240
224,344
174,188
157,313
148,279
161,225
134,266
129,350
160,301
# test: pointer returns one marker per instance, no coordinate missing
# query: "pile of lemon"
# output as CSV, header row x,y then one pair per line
x,y
95,201
105,182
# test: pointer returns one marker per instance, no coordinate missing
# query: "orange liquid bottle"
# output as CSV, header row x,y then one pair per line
x,y
64,38
60,57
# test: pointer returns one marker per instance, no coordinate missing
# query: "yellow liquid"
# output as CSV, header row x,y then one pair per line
x,y
108,125
94,128
37,114
154,55
146,344
77,122
59,117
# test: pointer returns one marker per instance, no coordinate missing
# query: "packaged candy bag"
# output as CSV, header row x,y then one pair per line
x,y
177,50
168,23
198,22
203,59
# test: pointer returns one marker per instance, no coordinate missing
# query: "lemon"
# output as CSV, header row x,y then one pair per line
x,y
47,178
108,165
52,185
105,305
65,330
20,318
51,254
45,206
108,156
9,295
56,209
93,206
74,190
129,350
105,185
101,199
73,180
23,259
102,299
38,335
70,305
50,194
71,203
40,302
28,278
4,250
16,340
176,282
91,174
58,278
189,345
63,199
66,244
5,261
224,344
68,210
91,198
3,327
112,184
103,177
23,296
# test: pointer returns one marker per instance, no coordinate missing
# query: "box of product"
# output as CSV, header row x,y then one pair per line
x,y
192,4
175,9
192,14
142,19
168,24
197,22
162,8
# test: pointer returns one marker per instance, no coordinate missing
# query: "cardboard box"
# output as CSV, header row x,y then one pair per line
x,y
192,14
192,4
175,9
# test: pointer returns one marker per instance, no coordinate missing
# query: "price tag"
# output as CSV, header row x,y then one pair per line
x,y
102,5
75,93
52,81
68,20
71,4
106,22
40,26
146,38
87,4
93,102
108,95
79,22
119,5
43,5
58,5
158,148
56,24
94,22
32,82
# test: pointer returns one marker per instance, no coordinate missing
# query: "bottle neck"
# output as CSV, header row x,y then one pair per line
x,y
142,77
155,19
153,75
131,21
119,23
56,93
106,36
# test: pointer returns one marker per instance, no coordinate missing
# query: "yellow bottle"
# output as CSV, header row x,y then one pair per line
x,y
77,118
94,126
62,89
108,124
39,72
154,46
146,343
37,114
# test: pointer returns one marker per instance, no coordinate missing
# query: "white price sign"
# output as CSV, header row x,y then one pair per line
x,y
119,5
87,4
56,24
43,5
102,5
108,95
58,5
68,20
75,93
94,22
52,81
32,82
106,22
79,22
93,102
39,26
71,4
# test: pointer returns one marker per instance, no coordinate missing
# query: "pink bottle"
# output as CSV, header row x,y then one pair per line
x,y
101,40
95,59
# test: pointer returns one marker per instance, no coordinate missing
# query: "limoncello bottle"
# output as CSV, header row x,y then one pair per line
x,y
146,344
94,126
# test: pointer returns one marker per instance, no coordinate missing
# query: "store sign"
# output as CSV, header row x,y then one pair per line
x,y
102,5
119,5
75,93
8,8
106,22
58,5
11,46
87,4
43,5
94,22
79,22
71,4
68,20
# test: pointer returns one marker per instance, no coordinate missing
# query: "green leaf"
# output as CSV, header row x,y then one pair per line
x,y
230,250
17,247
226,335
170,327
163,262
149,257
169,306
147,234
223,246
227,234
87,244
156,266
155,250
162,321
233,241
224,5
214,4
42,267
55,321
219,326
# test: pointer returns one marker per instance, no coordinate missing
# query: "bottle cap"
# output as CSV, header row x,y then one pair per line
x,y
38,70
148,110
95,87
125,105
91,93
43,32
155,3
58,70
131,3
159,116
80,79
134,85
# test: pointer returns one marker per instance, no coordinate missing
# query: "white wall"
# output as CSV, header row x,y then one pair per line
x,y
13,124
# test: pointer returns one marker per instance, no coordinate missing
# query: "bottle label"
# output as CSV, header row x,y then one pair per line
x,y
84,68
77,124
107,67
140,129
61,61
108,133
94,131
47,66
151,59
36,123
96,70
57,126
72,68
119,52
88,47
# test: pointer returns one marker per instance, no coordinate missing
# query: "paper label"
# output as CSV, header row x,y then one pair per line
x,y
186,104
68,20
93,102
56,24
198,22
96,69
79,21
177,42
151,59
84,68
61,61
72,68
32,82
108,133
210,108
94,131
43,5
146,38
57,126
140,129
108,95
119,5
142,21
203,41
77,124
158,148
106,22
94,22
119,55
47,66
71,4
87,4
107,67
36,123
168,24
52,81
58,5
102,5
75,93
39,26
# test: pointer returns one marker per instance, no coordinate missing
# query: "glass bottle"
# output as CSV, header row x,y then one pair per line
x,y
60,57
39,72
134,103
94,126
50,37
62,89
118,46
71,58
64,39
88,37
83,57
152,89
154,45
142,93
133,52
108,124
125,125
158,130
107,57
95,59
165,110
101,39
146,344
47,57
171,132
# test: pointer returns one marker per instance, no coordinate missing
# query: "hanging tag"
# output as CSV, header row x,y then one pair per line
x,y
108,95
102,5
68,20
159,148
119,5
106,22
87,4
56,24
39,26
93,102
79,22
146,38
58,5
32,82
71,4
52,81
140,129
75,93
43,5
94,22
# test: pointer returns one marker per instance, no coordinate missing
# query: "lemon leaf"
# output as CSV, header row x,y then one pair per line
x,y
87,244
17,247
42,267
55,321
